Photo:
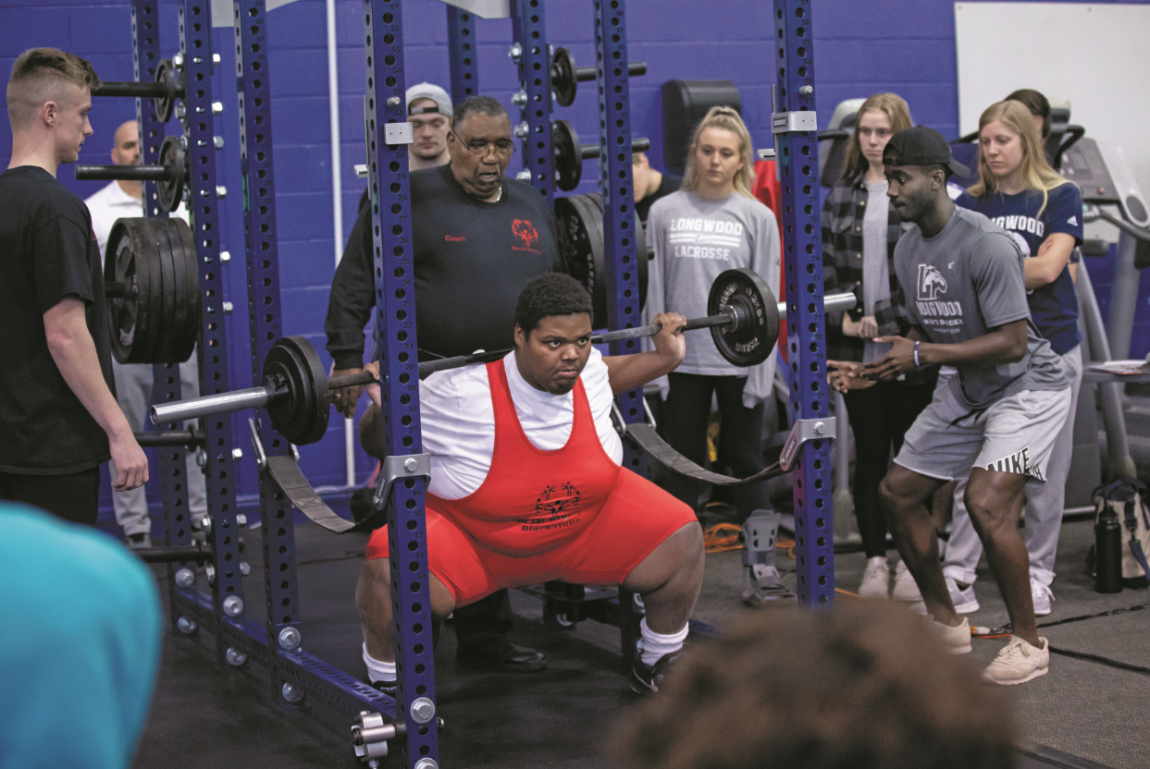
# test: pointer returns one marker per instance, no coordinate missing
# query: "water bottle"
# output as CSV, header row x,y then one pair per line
x,y
1108,552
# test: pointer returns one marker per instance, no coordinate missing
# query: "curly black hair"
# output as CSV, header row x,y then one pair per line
x,y
552,293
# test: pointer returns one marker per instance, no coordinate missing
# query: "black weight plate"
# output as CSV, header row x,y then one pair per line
x,y
166,76
563,81
165,319
187,260
171,191
182,321
149,300
302,414
753,338
125,264
596,202
567,160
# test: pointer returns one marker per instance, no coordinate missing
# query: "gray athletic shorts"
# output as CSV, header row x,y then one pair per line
x,y
1013,435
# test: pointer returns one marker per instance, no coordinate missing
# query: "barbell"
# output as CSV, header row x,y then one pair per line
x,y
566,77
569,154
743,319
168,86
170,174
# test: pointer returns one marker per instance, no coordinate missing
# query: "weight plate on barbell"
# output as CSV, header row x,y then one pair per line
x,y
752,338
182,318
567,160
127,263
580,219
166,75
171,190
563,81
300,415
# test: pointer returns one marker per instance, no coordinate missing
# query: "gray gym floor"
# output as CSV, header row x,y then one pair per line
x,y
1090,710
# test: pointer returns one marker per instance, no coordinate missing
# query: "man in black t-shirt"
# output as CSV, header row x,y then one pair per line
x,y
478,239
58,416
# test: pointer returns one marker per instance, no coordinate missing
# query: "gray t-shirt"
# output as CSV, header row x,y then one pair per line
x,y
696,239
960,284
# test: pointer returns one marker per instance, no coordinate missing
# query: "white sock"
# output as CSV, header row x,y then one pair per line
x,y
377,670
655,645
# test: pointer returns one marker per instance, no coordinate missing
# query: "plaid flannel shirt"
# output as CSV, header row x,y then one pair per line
x,y
842,225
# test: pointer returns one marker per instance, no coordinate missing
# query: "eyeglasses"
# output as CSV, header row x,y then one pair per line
x,y
480,147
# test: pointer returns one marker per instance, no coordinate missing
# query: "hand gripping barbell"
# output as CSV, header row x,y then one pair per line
x,y
744,323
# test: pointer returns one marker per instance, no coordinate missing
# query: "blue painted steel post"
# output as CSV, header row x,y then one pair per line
x,y
620,253
396,339
145,59
534,98
462,54
203,208
253,86
806,321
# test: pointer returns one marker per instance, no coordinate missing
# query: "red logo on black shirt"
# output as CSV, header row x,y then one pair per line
x,y
557,507
527,234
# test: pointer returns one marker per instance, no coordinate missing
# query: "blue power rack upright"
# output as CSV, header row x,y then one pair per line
x,y
463,53
388,136
796,140
532,56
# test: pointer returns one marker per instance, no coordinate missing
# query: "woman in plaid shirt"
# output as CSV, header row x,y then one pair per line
x,y
860,230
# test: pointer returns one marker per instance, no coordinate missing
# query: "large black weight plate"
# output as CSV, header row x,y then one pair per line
x,y
181,318
563,81
166,76
171,191
751,340
301,415
127,263
580,219
567,160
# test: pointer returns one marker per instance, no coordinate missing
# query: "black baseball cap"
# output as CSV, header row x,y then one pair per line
x,y
921,146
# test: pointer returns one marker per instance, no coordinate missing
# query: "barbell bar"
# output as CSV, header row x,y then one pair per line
x,y
167,87
744,323
565,76
171,173
569,153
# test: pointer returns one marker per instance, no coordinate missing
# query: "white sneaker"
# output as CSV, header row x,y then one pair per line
x,y
876,578
956,639
1041,595
1018,662
904,588
964,599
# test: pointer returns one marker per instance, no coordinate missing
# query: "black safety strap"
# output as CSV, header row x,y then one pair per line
x,y
644,436
286,472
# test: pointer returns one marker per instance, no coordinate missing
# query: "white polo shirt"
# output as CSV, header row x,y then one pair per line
x,y
112,203
458,420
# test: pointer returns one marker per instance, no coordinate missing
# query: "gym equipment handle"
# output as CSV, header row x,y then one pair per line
x,y
642,144
124,173
131,88
587,74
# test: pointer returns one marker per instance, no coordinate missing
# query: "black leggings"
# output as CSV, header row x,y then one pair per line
x,y
685,414
880,417
74,497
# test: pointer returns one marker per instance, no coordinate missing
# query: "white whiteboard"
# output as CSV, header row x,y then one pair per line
x,y
1097,56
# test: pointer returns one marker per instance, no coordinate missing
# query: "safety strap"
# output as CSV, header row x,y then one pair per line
x,y
287,474
646,438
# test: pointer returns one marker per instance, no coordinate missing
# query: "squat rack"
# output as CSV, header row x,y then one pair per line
x,y
294,673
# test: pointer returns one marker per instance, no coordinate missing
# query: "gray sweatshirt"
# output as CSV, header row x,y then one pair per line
x,y
695,240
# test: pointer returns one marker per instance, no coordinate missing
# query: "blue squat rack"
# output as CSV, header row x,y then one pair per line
x,y
411,720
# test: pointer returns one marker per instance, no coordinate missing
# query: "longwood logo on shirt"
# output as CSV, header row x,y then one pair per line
x,y
698,238
557,507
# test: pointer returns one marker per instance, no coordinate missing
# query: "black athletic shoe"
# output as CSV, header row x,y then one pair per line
x,y
508,657
648,679
390,688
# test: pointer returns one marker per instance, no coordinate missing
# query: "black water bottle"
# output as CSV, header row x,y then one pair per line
x,y
1108,552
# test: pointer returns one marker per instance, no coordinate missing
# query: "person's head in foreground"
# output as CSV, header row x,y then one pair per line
x,y
553,332
859,686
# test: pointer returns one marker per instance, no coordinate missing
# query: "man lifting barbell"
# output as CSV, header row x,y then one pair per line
x,y
526,485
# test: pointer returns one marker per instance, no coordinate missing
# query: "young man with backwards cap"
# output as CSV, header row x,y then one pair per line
x,y
996,421
429,111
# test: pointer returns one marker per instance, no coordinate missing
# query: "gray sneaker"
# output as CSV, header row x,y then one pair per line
x,y
1018,662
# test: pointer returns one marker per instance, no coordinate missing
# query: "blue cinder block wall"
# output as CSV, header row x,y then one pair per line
x,y
906,46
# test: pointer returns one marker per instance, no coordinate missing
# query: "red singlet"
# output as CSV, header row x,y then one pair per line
x,y
540,515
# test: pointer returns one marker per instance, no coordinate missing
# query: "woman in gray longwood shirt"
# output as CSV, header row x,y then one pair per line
x,y
711,225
